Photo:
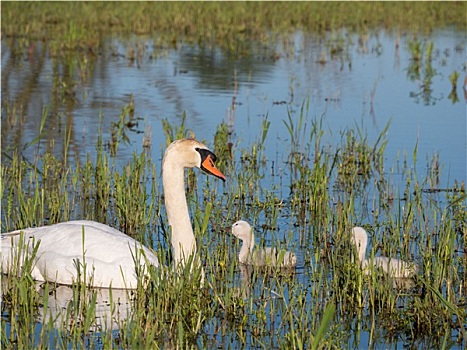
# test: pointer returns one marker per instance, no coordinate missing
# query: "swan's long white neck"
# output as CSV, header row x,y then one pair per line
x,y
183,239
247,247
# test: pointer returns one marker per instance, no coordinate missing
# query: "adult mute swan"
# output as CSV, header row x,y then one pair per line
x,y
393,267
107,255
259,257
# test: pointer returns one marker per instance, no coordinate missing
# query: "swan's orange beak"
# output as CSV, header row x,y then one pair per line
x,y
208,166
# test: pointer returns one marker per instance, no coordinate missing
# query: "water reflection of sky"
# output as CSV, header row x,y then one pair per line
x,y
341,89
202,83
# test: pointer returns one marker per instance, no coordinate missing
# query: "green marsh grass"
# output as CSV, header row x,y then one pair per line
x,y
324,190
234,26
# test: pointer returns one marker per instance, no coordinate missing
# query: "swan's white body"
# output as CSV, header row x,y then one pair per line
x,y
259,257
110,257
106,255
393,267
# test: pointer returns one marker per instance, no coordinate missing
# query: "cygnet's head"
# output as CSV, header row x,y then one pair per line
x,y
242,230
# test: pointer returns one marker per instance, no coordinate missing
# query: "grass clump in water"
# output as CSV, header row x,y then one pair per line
x,y
328,294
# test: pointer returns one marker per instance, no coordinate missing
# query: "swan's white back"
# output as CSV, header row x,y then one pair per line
x,y
107,255
110,257
393,267
267,256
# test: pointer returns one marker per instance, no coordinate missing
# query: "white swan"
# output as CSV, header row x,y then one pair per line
x,y
259,257
393,267
107,254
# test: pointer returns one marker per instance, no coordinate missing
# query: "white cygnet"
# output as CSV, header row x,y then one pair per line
x,y
260,256
393,267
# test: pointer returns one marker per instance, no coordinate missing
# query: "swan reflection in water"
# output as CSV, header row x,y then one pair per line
x,y
64,306
112,306
252,279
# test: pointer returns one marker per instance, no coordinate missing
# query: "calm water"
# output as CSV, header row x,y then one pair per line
x,y
371,82
366,85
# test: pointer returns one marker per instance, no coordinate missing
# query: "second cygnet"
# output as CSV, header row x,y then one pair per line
x,y
260,256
